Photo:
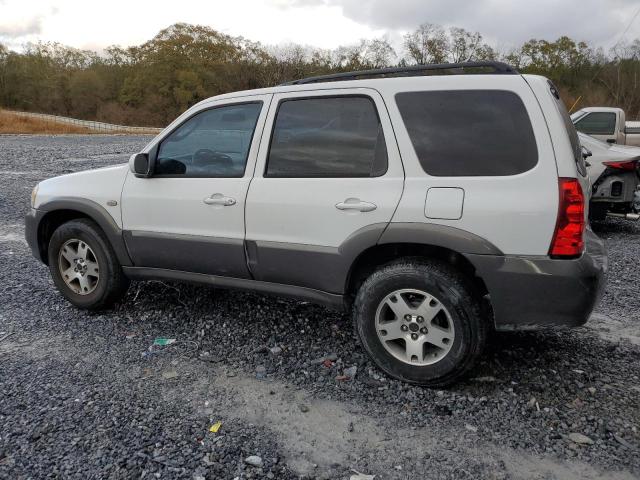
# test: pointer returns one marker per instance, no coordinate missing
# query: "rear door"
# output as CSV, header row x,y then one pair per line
x,y
329,175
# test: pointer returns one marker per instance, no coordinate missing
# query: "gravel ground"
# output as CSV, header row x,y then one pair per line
x,y
82,396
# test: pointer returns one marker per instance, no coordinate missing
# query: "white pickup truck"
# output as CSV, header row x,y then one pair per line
x,y
607,124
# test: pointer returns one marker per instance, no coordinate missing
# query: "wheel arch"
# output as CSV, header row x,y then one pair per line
x,y
441,242
59,211
382,254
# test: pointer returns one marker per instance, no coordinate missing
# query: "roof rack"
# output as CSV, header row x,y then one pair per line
x,y
499,68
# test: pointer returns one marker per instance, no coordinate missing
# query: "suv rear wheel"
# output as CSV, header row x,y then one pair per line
x,y
420,322
84,267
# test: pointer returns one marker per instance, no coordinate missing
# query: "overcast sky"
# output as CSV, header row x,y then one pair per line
x,y
321,23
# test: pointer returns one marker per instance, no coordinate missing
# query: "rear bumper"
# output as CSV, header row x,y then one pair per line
x,y
627,185
527,292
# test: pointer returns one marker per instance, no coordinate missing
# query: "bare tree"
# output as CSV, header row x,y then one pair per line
x,y
427,44
464,45
378,53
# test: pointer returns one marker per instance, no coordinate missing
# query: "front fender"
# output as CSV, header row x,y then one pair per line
x,y
102,186
38,219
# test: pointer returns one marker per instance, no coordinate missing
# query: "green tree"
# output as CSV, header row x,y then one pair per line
x,y
151,83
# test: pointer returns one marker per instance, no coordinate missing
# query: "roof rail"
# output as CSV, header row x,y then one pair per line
x,y
499,68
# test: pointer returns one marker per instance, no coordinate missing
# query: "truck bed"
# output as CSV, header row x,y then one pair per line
x,y
632,129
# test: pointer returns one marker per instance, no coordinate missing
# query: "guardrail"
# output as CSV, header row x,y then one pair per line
x,y
91,125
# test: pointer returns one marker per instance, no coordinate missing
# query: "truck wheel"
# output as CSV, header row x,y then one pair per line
x,y
420,322
84,267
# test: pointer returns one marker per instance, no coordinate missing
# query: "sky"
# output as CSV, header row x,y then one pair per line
x,y
320,23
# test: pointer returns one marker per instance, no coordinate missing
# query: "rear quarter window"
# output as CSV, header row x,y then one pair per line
x,y
469,132
570,129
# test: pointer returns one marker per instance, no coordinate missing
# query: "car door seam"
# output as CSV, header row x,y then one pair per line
x,y
404,173
246,194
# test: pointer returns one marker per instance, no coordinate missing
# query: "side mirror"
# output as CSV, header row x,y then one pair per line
x,y
586,153
140,165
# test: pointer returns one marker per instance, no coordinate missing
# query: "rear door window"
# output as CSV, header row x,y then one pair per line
x,y
327,137
597,123
576,146
469,132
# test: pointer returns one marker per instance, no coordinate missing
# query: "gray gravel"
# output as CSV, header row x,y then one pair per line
x,y
85,396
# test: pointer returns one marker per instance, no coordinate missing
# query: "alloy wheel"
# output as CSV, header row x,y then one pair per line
x,y
414,327
78,266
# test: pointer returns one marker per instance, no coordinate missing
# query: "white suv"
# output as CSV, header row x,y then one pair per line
x,y
436,207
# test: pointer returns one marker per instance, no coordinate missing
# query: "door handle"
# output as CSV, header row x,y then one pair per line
x,y
356,204
219,199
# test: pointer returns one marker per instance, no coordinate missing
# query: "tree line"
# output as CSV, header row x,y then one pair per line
x,y
150,84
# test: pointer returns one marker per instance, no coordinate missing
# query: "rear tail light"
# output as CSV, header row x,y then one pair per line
x,y
568,239
625,165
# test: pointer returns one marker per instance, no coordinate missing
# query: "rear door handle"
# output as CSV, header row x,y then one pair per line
x,y
356,204
219,199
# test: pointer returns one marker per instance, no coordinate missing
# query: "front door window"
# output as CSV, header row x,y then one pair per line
x,y
212,143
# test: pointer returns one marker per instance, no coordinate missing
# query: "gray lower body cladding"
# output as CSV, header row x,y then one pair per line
x,y
540,291
187,253
524,291
31,222
329,300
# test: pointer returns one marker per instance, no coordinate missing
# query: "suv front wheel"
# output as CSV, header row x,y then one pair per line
x,y
420,322
84,266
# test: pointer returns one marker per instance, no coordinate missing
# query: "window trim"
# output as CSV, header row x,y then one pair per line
x,y
584,117
449,90
156,148
316,97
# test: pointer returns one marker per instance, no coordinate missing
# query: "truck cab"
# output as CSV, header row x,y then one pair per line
x,y
607,124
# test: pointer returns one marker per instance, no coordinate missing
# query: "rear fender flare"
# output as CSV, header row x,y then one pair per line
x,y
436,235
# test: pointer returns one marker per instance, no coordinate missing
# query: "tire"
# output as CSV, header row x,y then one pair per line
x,y
99,281
458,317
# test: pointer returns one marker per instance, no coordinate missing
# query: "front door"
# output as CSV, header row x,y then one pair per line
x,y
189,215
326,183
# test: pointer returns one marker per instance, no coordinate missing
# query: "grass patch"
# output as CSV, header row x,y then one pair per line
x,y
12,123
